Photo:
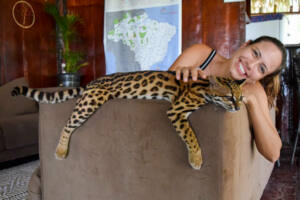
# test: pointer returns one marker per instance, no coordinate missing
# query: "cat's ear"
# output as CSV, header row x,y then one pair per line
x,y
216,83
213,80
241,82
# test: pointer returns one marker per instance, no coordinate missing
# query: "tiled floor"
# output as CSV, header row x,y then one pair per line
x,y
284,183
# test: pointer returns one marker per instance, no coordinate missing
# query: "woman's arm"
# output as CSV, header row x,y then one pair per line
x,y
189,61
267,139
266,136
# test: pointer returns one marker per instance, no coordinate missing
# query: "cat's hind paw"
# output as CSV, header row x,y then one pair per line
x,y
195,159
61,152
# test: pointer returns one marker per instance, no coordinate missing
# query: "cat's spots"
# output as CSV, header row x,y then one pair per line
x,y
138,77
170,87
127,90
144,83
129,78
184,98
119,86
136,86
143,92
154,89
127,84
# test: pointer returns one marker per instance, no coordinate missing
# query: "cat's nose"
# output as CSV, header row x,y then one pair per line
x,y
236,107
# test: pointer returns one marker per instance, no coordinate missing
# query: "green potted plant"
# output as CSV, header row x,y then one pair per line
x,y
72,60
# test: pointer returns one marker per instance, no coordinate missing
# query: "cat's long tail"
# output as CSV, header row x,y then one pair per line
x,y
48,97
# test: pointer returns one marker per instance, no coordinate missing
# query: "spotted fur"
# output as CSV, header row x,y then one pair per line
x,y
184,98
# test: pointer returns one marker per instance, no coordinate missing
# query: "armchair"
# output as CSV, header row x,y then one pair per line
x,y
18,124
129,150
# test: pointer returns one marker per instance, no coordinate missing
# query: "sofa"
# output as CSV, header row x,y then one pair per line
x,y
128,150
18,124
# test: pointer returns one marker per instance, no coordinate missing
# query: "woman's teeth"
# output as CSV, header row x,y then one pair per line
x,y
242,69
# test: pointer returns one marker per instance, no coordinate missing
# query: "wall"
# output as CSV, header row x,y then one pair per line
x,y
289,29
218,24
91,31
286,29
31,52
257,29
27,52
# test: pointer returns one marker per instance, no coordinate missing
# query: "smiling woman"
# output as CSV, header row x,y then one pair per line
x,y
259,62
255,61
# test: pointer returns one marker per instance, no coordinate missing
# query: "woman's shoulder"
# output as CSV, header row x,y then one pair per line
x,y
192,56
256,90
196,54
200,48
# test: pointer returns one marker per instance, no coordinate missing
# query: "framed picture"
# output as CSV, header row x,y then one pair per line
x,y
261,7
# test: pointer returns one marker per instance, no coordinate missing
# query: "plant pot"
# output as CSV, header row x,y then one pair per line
x,y
69,80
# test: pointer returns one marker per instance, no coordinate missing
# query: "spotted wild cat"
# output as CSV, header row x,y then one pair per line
x,y
185,97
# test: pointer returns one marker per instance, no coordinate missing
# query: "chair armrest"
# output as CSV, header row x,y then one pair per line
x,y
245,172
11,106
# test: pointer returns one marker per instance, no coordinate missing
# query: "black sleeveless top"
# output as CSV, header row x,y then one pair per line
x,y
208,59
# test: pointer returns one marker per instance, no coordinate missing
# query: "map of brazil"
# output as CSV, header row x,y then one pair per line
x,y
142,39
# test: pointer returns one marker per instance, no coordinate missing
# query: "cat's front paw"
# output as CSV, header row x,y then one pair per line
x,y
195,159
61,152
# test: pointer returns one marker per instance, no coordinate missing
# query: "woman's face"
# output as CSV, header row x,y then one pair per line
x,y
255,61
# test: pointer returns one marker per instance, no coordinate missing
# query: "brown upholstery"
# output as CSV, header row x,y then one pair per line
x,y
34,188
11,106
18,124
20,131
128,150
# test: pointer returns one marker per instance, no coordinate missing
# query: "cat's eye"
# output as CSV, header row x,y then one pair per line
x,y
230,98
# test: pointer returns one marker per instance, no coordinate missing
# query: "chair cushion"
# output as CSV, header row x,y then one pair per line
x,y
2,146
19,131
10,106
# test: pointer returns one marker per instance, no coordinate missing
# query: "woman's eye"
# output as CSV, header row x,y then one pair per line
x,y
262,69
255,53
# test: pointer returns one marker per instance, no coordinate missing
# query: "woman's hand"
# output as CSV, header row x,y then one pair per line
x,y
249,91
185,73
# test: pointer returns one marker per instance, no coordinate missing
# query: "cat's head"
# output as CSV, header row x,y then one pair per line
x,y
226,92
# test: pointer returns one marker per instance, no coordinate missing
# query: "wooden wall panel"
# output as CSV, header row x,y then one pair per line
x,y
218,24
39,50
27,52
191,23
91,32
11,45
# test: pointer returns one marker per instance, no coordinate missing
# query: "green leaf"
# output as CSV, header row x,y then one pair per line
x,y
66,25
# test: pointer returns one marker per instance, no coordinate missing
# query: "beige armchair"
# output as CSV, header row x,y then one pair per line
x,y
18,124
128,150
